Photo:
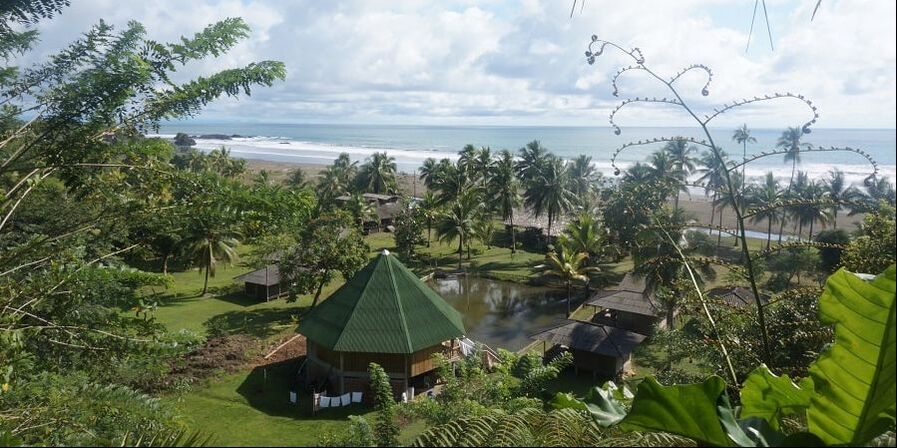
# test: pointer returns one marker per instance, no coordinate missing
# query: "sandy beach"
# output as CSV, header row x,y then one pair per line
x,y
698,207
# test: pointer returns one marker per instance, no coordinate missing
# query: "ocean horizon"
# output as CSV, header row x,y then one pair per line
x,y
320,144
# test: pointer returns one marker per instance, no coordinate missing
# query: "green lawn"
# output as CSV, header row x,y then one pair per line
x,y
251,408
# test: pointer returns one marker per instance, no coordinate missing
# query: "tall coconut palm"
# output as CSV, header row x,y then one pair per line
x,y
297,178
429,172
454,181
505,191
458,220
664,168
683,163
790,142
569,266
763,197
713,178
378,174
429,206
481,164
532,158
838,191
548,193
467,160
743,136
810,211
638,173
484,230
209,241
584,177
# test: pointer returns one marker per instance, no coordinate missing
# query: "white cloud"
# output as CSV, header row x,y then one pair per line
x,y
522,61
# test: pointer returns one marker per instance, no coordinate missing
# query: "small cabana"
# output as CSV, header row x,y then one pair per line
x,y
736,296
605,351
262,284
626,306
384,314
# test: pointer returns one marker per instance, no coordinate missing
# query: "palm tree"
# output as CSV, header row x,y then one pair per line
x,y
454,181
838,191
262,178
505,191
549,192
743,136
481,164
467,160
683,163
378,174
429,206
811,194
484,230
714,179
211,240
458,220
532,157
763,197
330,185
584,177
638,173
361,210
568,265
585,234
297,178
663,168
790,142
429,172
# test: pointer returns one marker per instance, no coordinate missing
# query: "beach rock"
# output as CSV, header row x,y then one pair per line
x,y
182,139
214,137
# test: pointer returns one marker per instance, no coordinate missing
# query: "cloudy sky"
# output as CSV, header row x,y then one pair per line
x,y
520,62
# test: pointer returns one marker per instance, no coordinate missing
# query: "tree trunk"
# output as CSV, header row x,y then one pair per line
x,y
165,263
810,237
429,226
460,250
787,193
513,235
719,234
768,232
548,237
205,285
568,299
835,217
318,291
676,201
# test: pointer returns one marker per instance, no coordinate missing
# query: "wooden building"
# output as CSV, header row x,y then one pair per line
x,y
604,351
736,296
626,306
263,284
386,315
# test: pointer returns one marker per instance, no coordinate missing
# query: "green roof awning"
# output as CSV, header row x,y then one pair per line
x,y
385,308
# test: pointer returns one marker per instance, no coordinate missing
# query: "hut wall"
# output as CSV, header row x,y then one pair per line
x,y
636,322
422,361
601,365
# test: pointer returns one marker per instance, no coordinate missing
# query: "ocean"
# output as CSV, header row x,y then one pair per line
x,y
410,145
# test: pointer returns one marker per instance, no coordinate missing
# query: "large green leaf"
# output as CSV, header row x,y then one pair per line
x,y
772,397
690,410
599,403
855,378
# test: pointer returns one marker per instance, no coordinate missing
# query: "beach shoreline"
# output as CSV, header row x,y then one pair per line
x,y
697,207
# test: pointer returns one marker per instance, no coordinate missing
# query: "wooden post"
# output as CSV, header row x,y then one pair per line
x,y
267,294
341,374
406,374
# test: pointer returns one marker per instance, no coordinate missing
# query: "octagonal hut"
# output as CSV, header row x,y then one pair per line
x,y
384,314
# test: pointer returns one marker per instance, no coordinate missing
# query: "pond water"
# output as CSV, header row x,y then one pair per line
x,y
502,314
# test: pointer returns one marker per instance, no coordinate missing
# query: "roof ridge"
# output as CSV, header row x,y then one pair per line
x,y
355,305
611,339
402,316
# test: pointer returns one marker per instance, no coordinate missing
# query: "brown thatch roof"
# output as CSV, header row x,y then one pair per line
x,y
593,338
736,296
628,296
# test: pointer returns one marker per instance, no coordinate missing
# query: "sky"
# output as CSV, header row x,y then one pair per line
x,y
521,62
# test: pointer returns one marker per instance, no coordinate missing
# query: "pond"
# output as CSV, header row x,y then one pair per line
x,y
502,314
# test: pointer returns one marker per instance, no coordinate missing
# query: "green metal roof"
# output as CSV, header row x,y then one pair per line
x,y
385,308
